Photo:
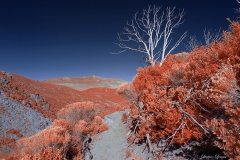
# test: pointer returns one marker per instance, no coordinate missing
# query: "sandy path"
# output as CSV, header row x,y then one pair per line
x,y
112,144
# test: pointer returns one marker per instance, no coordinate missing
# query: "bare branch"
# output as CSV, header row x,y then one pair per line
x,y
192,43
195,121
210,36
237,10
146,30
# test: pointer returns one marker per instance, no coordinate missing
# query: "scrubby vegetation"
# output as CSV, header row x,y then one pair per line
x,y
191,97
68,137
27,107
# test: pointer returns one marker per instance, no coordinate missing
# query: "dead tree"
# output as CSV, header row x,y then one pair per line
x,y
151,29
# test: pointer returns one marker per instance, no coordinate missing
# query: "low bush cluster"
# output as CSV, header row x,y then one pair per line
x,y
67,137
190,98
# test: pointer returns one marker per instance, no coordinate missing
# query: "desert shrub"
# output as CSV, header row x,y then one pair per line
x,y
81,129
124,117
227,133
83,118
175,100
127,91
78,111
103,127
226,128
46,153
131,139
83,123
128,153
227,92
98,120
165,111
56,136
57,141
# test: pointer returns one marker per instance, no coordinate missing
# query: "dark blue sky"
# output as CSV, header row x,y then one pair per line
x,y
44,39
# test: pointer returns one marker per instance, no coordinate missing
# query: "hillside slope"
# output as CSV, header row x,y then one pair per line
x,y
28,106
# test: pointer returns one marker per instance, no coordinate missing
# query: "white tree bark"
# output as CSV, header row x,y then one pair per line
x,y
210,36
192,43
147,32
237,11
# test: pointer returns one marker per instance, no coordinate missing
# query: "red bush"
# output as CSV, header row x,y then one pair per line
x,y
78,111
175,99
103,127
163,108
58,141
56,136
46,153
66,135
227,87
98,120
124,117
127,91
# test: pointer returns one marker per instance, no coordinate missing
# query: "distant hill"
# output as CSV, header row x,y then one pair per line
x,y
86,82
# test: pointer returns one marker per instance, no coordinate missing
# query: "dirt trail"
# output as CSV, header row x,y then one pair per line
x,y
112,144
